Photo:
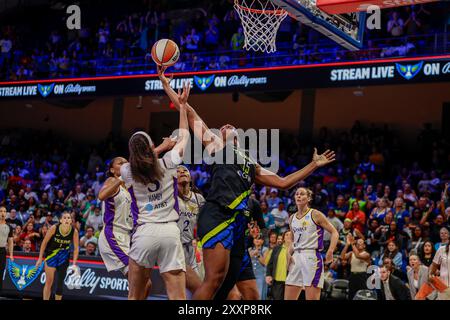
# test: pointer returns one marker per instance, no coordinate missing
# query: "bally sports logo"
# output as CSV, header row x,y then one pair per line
x,y
60,89
446,68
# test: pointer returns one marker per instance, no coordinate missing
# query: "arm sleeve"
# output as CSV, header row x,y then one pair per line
x,y
171,159
125,174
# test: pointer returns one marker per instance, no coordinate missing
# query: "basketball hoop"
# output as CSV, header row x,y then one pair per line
x,y
260,20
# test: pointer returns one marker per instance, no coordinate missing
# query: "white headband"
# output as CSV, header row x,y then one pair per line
x,y
150,142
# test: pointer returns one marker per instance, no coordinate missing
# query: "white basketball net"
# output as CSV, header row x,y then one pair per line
x,y
260,20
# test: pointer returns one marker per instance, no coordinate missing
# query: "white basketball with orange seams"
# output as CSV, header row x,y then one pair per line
x,y
165,52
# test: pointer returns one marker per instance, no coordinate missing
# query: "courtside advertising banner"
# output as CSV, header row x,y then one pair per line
x,y
22,279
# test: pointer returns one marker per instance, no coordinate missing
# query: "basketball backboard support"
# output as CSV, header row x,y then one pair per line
x,y
346,29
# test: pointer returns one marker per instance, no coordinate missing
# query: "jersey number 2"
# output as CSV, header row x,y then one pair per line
x,y
186,226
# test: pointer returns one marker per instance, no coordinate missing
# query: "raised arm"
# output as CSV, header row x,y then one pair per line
x,y
167,145
345,255
211,141
183,137
109,188
268,178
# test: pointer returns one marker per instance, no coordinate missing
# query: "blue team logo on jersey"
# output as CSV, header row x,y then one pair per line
x,y
204,83
409,71
45,90
23,275
148,207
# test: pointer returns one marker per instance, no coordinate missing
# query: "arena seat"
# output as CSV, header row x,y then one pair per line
x,y
365,295
339,290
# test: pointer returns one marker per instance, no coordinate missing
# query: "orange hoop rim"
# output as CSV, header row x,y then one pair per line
x,y
278,12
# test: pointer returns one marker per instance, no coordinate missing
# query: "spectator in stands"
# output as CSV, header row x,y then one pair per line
x,y
341,208
444,238
257,254
346,230
95,220
427,253
273,200
29,233
237,40
13,205
17,231
211,37
357,216
413,24
417,276
392,252
281,218
91,249
380,211
359,260
417,240
267,215
88,237
341,268
320,196
392,288
277,267
273,237
359,198
103,37
192,41
409,195
400,213
5,50
373,237
27,246
394,234
13,220
335,222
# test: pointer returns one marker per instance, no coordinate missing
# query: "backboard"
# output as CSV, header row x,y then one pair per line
x,y
346,29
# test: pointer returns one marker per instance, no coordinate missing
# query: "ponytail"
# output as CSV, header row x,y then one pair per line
x,y
144,163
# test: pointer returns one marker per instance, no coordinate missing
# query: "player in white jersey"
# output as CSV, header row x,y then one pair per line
x,y
190,201
305,270
114,240
152,184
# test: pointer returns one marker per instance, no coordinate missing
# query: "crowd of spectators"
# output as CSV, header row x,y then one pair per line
x,y
209,35
383,197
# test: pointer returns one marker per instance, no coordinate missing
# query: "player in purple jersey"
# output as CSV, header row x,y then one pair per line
x,y
305,269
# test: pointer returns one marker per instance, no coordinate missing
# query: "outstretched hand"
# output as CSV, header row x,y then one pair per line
x,y
161,69
323,159
184,95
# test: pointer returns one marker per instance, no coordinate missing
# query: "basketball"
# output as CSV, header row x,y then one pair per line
x,y
165,52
